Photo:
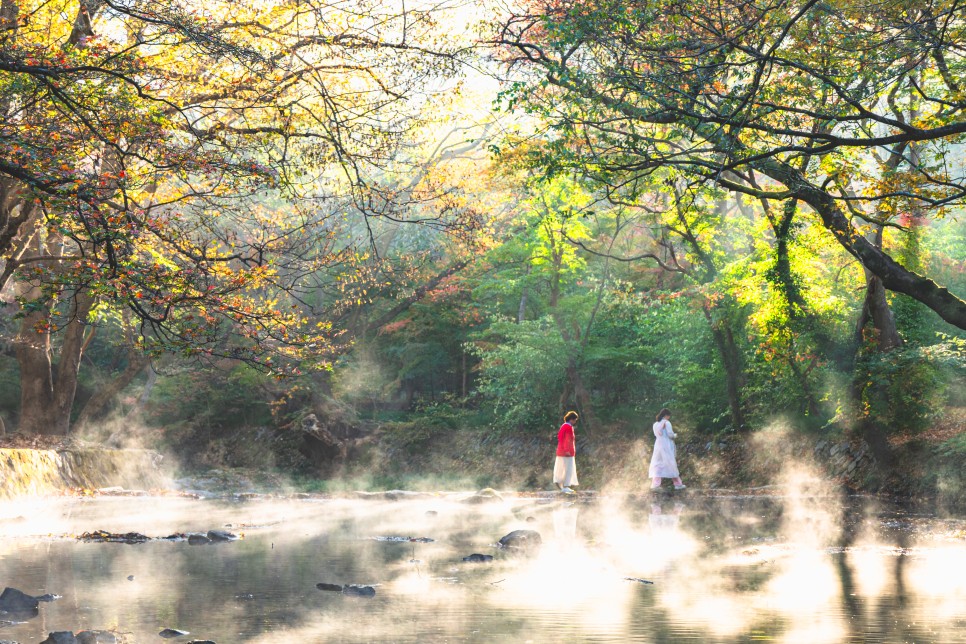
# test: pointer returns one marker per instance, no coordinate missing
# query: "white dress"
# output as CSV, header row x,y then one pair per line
x,y
663,464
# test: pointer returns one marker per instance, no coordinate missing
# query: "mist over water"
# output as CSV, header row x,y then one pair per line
x,y
802,565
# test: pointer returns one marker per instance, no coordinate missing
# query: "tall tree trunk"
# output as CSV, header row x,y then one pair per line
x,y
784,279
876,310
731,360
47,391
799,316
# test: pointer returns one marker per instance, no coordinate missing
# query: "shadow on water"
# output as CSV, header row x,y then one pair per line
x,y
663,568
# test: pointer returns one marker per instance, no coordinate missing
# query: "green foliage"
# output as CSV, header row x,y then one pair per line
x,y
902,390
954,448
677,354
212,400
522,371
9,390
430,423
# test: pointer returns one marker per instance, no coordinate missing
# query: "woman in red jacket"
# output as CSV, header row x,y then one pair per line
x,y
564,468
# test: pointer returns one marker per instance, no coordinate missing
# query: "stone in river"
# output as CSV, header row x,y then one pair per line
x,y
324,586
478,558
168,633
486,495
96,637
60,637
357,590
521,539
15,601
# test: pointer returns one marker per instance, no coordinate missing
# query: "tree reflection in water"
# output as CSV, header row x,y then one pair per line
x,y
802,566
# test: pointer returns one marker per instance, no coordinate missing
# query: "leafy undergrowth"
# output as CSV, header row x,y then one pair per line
x,y
928,463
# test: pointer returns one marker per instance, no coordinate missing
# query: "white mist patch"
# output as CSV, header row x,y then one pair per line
x,y
805,582
811,507
642,551
707,601
570,579
940,575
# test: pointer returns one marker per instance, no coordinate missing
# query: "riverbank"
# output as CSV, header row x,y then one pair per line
x,y
928,465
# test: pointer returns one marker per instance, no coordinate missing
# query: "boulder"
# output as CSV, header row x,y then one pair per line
x,y
15,601
221,535
486,495
60,637
320,445
521,540
96,637
324,586
358,590
478,558
168,633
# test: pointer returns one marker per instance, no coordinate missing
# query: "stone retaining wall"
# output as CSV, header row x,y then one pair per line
x,y
39,472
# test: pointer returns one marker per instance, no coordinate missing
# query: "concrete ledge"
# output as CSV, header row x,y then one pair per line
x,y
27,472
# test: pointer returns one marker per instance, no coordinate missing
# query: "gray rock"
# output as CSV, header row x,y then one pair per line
x,y
168,633
521,539
96,637
198,539
639,580
357,590
15,601
324,586
486,495
478,558
221,535
60,637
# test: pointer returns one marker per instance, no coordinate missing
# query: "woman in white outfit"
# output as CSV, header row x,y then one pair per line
x,y
663,464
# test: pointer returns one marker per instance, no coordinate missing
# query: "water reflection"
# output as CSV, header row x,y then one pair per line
x,y
802,566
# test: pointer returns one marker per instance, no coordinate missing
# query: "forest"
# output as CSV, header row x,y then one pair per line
x,y
431,224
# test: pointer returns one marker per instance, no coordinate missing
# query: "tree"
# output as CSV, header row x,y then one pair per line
x,y
742,95
151,147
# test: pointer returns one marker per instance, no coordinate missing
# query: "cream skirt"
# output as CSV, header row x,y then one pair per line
x,y
565,471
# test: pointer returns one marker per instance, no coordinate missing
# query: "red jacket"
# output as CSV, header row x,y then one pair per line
x,y
565,440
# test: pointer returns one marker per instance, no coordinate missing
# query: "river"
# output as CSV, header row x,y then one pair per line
x,y
718,566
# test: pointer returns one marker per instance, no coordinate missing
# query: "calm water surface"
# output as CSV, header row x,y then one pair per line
x,y
725,568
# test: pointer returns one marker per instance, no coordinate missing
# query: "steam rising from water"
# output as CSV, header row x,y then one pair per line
x,y
784,567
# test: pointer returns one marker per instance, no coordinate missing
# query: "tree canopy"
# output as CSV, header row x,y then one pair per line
x,y
741,209
852,109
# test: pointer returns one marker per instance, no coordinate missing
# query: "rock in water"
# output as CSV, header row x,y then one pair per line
x,y
357,590
60,637
521,539
486,495
168,633
96,637
15,601
478,558
198,539
639,580
324,586
221,535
